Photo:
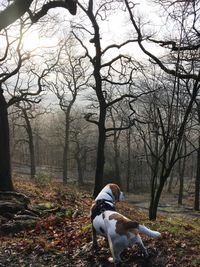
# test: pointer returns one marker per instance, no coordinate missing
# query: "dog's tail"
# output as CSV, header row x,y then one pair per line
x,y
143,229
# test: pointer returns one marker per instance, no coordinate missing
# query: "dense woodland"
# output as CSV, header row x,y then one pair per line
x,y
93,92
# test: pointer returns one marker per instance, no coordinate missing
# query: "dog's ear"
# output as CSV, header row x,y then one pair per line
x,y
115,191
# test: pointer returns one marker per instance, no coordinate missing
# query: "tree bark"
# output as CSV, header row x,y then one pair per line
x,y
66,148
169,189
5,168
128,160
30,143
102,105
181,176
197,181
100,154
116,160
181,185
80,170
155,201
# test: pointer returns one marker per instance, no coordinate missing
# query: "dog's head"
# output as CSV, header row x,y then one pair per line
x,y
111,192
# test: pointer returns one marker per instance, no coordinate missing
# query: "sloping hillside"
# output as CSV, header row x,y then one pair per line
x,y
62,234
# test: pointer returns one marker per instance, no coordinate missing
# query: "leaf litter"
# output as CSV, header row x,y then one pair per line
x,y
63,238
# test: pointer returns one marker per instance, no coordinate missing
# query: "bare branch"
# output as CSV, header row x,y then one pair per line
x,y
118,45
19,7
121,98
174,46
86,50
13,12
88,116
67,4
153,57
114,60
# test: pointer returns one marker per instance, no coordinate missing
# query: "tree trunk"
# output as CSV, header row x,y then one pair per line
x,y
181,185
155,201
100,154
5,168
30,143
66,148
169,189
128,160
181,171
116,161
80,170
197,181
101,100
79,159
181,179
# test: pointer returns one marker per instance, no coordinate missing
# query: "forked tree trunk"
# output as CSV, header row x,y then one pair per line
x,y
5,168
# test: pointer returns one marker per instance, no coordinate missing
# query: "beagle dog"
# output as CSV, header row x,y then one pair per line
x,y
120,231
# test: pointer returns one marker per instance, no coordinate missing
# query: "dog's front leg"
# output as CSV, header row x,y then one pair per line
x,y
94,239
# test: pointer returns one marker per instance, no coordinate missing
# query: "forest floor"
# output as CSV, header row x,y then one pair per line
x,y
61,240
168,204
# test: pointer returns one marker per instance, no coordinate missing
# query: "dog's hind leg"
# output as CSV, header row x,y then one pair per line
x,y
116,249
141,246
111,248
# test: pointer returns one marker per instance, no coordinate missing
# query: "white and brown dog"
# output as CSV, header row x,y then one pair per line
x,y
120,231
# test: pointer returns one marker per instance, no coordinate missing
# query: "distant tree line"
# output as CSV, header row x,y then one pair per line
x,y
140,118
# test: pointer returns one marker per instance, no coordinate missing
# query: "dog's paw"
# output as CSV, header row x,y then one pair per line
x,y
111,260
95,247
146,255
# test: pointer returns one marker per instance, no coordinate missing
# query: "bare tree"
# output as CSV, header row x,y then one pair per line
x,y
164,111
26,113
5,171
116,70
118,119
83,145
69,82
182,70
30,140
17,88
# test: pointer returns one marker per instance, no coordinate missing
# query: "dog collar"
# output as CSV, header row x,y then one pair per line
x,y
101,206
